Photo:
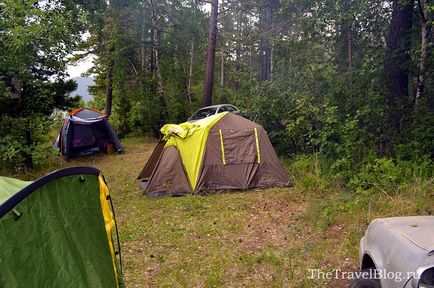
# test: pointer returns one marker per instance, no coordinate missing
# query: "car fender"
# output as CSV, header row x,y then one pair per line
x,y
370,247
391,252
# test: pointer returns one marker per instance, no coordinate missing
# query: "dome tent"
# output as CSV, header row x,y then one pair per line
x,y
220,152
86,131
58,231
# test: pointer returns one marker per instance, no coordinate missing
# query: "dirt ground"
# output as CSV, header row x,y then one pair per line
x,y
259,238
278,237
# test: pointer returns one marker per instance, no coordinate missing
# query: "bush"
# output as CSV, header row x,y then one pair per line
x,y
26,142
390,175
308,173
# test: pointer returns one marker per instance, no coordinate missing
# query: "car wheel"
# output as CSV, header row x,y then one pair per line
x,y
364,281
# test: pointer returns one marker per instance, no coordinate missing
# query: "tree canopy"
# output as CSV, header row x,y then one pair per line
x,y
36,38
349,79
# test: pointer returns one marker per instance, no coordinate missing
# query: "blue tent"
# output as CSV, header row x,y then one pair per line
x,y
84,132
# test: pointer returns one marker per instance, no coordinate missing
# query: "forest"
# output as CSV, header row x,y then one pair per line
x,y
344,89
349,80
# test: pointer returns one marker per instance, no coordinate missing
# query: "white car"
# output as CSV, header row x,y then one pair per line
x,y
397,252
211,110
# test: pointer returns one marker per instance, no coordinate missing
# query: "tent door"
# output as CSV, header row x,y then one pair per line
x,y
152,162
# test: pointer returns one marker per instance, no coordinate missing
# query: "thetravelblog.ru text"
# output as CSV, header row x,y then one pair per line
x,y
349,275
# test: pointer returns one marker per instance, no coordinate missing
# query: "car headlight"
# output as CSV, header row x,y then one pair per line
x,y
426,279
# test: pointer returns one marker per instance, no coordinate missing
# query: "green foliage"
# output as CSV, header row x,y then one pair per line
x,y
11,151
129,36
307,171
327,95
25,137
389,175
318,103
314,102
37,37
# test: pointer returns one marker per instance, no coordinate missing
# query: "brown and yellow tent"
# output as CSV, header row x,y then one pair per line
x,y
221,152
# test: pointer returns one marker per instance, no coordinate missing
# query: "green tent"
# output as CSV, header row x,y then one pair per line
x,y
58,231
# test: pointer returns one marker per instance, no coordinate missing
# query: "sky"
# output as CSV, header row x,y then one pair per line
x,y
75,70
80,67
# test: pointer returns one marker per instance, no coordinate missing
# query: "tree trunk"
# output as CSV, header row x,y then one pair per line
x,y
269,48
271,62
265,69
250,54
154,37
153,40
238,51
209,76
17,87
397,64
109,90
142,36
262,57
160,87
28,157
222,66
155,61
350,49
222,49
425,49
190,72
344,53
263,60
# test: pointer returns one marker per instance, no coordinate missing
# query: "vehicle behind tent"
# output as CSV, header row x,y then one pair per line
x,y
86,131
59,231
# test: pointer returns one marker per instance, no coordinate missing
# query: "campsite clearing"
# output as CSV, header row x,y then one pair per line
x,y
258,238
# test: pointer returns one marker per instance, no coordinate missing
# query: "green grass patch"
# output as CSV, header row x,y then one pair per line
x,y
258,238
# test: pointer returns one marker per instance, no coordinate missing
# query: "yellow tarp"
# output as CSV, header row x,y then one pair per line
x,y
190,140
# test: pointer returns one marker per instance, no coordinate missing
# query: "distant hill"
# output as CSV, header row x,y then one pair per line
x,y
83,83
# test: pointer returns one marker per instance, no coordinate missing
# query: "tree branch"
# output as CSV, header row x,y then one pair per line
x,y
422,13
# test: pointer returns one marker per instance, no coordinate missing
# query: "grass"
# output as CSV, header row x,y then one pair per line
x,y
259,238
